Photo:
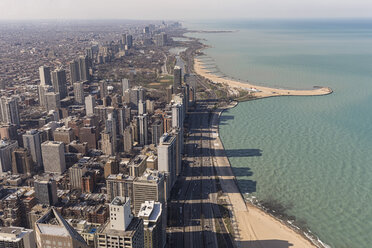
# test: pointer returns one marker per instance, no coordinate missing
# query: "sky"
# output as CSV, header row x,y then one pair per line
x,y
182,9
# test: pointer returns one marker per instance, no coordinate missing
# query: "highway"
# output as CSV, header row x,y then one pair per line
x,y
193,211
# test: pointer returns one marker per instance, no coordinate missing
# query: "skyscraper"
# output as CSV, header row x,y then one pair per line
x,y
90,103
148,187
157,131
141,107
22,161
79,92
177,81
44,73
76,173
128,140
32,142
84,68
103,89
125,85
46,191
129,40
142,129
167,158
54,231
53,153
74,71
59,82
6,149
9,110
53,101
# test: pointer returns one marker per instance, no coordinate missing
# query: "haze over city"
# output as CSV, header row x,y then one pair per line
x,y
192,9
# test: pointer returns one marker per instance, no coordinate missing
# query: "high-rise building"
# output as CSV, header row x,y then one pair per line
x,y
6,149
90,103
129,40
169,93
74,71
103,89
125,84
167,158
42,90
141,107
151,213
157,131
128,140
148,187
17,237
59,82
44,74
119,185
177,121
177,81
142,129
149,106
123,230
22,161
46,191
32,142
79,92
9,113
64,134
84,68
161,39
89,135
76,172
53,153
54,231
137,165
111,127
53,101
111,167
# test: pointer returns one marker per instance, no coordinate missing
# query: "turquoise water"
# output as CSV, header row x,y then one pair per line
x,y
311,153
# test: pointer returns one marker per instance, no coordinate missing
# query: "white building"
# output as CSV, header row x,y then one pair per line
x,y
17,237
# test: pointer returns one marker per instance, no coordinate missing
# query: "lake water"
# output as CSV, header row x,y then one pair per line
x,y
311,154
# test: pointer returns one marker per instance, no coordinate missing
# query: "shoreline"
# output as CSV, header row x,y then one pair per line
x,y
256,90
256,227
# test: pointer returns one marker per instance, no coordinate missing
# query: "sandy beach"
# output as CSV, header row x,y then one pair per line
x,y
258,91
253,227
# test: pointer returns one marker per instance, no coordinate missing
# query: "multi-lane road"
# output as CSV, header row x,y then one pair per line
x,y
194,218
